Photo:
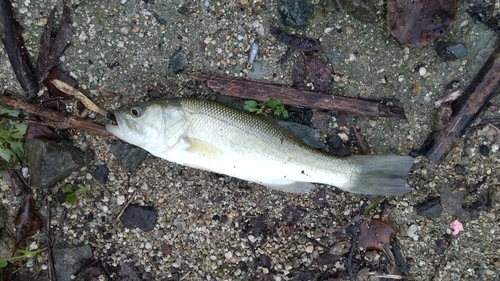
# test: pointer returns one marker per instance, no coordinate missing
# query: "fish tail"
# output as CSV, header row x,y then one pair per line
x,y
380,174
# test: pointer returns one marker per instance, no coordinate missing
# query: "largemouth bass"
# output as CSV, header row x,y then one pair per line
x,y
213,137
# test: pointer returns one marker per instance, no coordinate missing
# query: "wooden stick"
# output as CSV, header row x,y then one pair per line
x,y
59,120
464,110
18,56
297,97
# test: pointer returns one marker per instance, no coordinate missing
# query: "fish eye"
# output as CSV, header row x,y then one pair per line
x,y
136,111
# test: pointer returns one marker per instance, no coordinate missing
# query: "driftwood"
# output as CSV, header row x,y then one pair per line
x,y
54,119
15,50
297,97
463,110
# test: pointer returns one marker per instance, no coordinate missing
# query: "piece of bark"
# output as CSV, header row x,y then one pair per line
x,y
464,110
16,51
241,88
55,119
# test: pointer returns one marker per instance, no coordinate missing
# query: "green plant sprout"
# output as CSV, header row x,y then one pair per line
x,y
276,106
11,138
72,194
23,254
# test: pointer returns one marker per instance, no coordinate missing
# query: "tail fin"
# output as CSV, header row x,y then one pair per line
x,y
380,174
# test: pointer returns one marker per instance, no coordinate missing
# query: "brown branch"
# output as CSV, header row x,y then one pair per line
x,y
464,110
297,97
15,50
56,119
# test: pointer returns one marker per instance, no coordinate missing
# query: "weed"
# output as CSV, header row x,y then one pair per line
x,y
11,138
275,106
23,254
72,194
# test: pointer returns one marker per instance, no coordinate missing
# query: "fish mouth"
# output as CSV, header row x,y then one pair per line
x,y
119,126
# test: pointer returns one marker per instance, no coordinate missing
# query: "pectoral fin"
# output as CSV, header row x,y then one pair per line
x,y
293,187
203,148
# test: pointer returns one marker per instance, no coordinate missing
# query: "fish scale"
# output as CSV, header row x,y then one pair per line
x,y
214,137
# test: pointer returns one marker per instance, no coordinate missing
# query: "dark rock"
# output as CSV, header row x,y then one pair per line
x,y
431,208
128,272
335,142
129,156
459,169
295,13
143,217
68,261
177,62
449,51
415,153
51,162
484,150
265,261
362,10
101,173
89,156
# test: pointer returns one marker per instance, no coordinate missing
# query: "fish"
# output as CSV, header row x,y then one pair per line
x,y
210,136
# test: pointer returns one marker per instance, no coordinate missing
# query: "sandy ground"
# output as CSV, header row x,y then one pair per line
x,y
206,222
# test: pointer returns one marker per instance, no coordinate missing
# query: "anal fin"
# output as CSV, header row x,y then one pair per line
x,y
293,187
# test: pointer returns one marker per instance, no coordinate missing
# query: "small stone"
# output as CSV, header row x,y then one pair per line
x,y
335,142
411,232
143,217
459,169
177,62
228,255
120,199
484,150
309,249
431,208
449,51
101,173
422,71
295,13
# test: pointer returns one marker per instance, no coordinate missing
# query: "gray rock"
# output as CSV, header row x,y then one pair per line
x,y
51,162
449,51
335,142
143,217
295,13
129,156
101,173
67,261
177,62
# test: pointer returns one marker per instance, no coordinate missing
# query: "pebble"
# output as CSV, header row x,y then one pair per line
x,y
422,71
143,217
309,249
484,150
411,232
101,173
228,255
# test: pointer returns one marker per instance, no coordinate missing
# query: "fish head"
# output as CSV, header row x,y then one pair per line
x,y
146,124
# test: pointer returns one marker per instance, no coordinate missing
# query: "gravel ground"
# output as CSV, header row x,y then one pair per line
x,y
207,223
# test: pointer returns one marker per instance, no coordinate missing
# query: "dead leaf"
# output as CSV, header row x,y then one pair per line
x,y
54,74
27,221
361,142
52,47
79,95
374,234
420,21
36,131
311,72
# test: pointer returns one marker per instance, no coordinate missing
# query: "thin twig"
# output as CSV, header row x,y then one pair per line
x,y
52,272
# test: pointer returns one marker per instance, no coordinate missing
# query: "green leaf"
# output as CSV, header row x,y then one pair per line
x,y
251,103
272,103
81,190
3,262
284,113
71,198
6,154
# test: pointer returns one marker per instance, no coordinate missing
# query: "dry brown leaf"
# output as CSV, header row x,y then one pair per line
x,y
62,86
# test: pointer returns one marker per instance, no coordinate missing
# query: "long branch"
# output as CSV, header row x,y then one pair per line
x,y
297,97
